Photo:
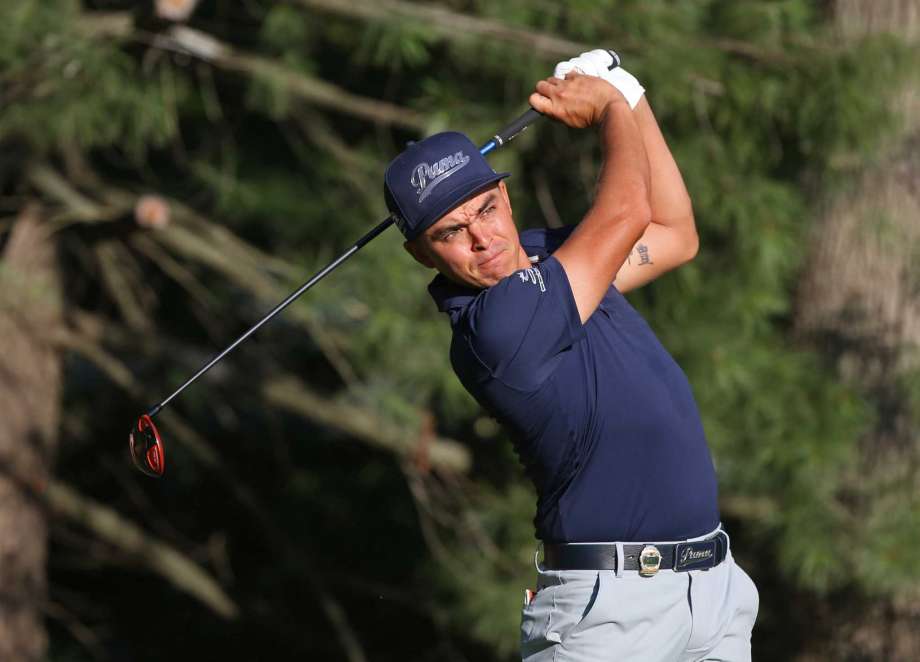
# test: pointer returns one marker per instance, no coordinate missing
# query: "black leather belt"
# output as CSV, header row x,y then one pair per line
x,y
646,558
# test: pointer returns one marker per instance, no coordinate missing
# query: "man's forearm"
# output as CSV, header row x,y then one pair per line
x,y
625,178
668,198
597,248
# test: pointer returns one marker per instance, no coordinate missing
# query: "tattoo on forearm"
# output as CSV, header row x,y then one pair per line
x,y
644,256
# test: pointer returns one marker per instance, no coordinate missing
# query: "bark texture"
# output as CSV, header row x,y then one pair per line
x,y
30,383
860,299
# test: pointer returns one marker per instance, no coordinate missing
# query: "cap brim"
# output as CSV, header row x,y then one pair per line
x,y
471,188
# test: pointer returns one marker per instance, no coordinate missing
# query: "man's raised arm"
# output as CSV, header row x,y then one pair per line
x,y
670,239
598,247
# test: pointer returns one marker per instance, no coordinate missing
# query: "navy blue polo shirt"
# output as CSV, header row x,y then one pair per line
x,y
602,418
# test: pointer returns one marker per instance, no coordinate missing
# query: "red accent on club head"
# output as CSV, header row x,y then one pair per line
x,y
153,459
147,447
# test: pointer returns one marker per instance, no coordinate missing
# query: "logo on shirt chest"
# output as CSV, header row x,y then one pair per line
x,y
532,275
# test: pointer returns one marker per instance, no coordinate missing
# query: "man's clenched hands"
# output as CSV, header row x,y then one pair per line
x,y
578,101
604,64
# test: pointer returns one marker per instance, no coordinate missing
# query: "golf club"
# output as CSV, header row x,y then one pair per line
x,y
144,440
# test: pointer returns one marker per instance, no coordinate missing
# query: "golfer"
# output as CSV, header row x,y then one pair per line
x,y
635,563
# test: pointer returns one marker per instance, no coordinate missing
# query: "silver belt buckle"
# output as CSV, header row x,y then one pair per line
x,y
649,561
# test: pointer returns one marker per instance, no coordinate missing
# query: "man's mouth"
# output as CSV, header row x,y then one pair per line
x,y
492,259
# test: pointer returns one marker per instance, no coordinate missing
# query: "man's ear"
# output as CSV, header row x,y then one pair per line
x,y
419,253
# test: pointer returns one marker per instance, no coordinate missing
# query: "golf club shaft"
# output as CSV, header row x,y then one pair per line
x,y
511,131
277,309
500,139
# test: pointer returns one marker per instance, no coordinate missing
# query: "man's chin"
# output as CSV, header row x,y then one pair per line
x,y
485,277
496,271
494,276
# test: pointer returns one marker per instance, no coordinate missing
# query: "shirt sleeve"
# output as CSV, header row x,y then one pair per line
x,y
518,329
544,241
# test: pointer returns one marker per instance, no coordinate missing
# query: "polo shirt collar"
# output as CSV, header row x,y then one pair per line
x,y
453,298
450,297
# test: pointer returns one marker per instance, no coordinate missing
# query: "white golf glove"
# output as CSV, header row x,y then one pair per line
x,y
604,64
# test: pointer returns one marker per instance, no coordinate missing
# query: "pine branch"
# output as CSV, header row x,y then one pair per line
x,y
321,93
285,392
198,239
80,208
454,26
356,422
201,45
178,272
158,556
114,24
317,130
205,241
91,349
450,25
338,618
118,275
82,633
243,265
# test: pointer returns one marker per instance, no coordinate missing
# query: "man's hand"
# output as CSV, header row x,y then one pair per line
x,y
578,101
604,64
592,63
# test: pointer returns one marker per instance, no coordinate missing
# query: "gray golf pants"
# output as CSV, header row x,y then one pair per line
x,y
597,616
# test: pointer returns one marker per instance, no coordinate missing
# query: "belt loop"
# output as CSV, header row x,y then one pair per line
x,y
728,540
620,560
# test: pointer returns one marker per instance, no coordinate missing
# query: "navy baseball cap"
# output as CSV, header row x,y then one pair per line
x,y
433,176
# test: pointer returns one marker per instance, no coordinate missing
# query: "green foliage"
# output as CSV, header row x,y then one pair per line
x,y
486,595
63,87
287,32
755,99
858,85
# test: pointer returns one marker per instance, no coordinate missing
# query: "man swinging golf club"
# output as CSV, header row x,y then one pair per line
x,y
636,565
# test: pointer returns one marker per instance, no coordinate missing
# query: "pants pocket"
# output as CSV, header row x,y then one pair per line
x,y
556,611
724,605
749,605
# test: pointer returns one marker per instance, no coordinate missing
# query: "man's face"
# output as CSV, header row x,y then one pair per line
x,y
475,243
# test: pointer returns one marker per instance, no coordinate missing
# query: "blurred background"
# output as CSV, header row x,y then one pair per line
x,y
169,170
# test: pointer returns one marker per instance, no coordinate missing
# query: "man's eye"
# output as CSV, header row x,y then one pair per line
x,y
489,209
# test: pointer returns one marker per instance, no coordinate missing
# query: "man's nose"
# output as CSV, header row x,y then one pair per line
x,y
481,236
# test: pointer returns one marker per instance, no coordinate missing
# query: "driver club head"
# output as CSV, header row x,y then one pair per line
x,y
147,447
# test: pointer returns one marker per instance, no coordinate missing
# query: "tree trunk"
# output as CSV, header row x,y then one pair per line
x,y
30,384
860,300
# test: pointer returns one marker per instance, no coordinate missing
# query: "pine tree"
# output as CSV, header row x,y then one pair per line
x,y
331,484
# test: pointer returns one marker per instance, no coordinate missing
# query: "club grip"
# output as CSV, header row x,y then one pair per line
x,y
514,128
